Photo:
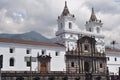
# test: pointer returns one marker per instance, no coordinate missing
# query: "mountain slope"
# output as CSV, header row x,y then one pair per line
x,y
32,35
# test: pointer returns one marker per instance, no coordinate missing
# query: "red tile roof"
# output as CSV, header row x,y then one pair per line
x,y
29,42
111,50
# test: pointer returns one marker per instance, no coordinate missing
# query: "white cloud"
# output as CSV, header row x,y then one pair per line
x,y
18,16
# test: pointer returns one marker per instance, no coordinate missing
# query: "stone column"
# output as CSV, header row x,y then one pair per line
x,y
38,66
82,66
48,65
95,65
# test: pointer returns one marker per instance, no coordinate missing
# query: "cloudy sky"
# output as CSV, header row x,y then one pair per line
x,y
19,16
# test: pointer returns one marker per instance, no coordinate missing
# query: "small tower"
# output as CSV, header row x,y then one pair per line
x,y
93,25
66,26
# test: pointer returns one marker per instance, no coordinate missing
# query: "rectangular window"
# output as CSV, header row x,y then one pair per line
x,y
101,65
86,47
56,53
28,63
108,58
72,64
115,59
28,51
70,25
43,52
11,50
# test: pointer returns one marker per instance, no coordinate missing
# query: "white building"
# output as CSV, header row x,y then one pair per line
x,y
113,61
15,51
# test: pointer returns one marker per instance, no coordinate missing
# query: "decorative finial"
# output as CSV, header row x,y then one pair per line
x,y
92,10
65,4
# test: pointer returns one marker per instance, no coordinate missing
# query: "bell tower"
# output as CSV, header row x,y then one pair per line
x,y
66,27
94,25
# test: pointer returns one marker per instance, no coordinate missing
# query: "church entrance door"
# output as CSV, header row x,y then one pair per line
x,y
86,67
43,67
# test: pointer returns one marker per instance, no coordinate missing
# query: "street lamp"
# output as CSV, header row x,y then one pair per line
x,y
113,43
1,64
30,59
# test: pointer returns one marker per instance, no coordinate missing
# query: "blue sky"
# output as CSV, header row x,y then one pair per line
x,y
19,16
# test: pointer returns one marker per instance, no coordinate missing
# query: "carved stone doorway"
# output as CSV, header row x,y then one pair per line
x,y
44,63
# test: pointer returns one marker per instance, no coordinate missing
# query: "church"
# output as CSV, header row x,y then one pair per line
x,y
76,54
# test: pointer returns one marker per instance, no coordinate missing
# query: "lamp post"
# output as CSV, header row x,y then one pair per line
x,y
107,74
79,45
30,68
113,43
1,64
0,73
119,74
30,60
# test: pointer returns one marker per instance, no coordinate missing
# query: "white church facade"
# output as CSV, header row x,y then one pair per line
x,y
15,51
50,56
68,32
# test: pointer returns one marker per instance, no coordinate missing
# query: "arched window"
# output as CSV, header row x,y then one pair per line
x,y
72,64
70,25
86,47
12,61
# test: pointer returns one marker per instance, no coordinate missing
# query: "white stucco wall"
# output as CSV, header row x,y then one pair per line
x,y
112,64
57,62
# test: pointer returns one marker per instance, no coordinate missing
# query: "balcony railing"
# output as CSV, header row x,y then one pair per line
x,y
85,54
